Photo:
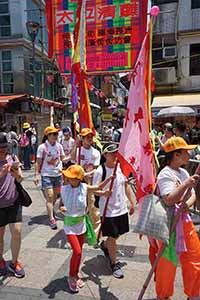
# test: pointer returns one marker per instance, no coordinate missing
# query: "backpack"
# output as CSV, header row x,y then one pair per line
x,y
24,140
96,202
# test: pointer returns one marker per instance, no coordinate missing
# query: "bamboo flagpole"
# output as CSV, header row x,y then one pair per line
x,y
107,201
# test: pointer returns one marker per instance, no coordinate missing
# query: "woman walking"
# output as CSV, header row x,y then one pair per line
x,y
173,182
49,164
10,209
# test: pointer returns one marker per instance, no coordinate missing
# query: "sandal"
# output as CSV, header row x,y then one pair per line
x,y
73,284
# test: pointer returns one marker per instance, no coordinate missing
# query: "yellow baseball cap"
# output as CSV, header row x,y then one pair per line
x,y
86,131
26,125
74,171
50,129
176,143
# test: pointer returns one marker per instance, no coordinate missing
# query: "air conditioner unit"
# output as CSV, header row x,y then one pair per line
x,y
165,76
169,52
64,92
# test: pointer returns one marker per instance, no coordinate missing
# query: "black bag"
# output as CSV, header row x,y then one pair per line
x,y
96,202
24,199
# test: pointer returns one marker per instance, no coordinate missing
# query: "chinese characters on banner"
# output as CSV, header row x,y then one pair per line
x,y
114,33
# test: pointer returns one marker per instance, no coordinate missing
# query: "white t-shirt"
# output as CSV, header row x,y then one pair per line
x,y
68,145
117,204
51,158
89,157
75,201
169,179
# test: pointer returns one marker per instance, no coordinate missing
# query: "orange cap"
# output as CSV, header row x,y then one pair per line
x,y
74,171
176,143
86,131
50,129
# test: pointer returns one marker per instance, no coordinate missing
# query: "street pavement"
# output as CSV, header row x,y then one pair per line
x,y
45,255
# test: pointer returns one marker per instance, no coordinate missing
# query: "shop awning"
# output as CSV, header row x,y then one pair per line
x,y
5,100
176,100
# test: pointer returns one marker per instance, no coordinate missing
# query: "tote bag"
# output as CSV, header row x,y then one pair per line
x,y
155,218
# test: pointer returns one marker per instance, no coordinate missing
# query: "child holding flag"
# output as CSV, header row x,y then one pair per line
x,y
74,197
173,182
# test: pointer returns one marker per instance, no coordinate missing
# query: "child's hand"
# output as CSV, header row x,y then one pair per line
x,y
62,209
107,193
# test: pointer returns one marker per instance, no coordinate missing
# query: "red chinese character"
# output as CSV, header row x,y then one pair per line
x,y
139,116
106,12
90,13
66,17
129,10
127,116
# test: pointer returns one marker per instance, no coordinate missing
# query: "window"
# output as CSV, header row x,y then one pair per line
x,y
157,2
194,59
6,80
4,19
195,4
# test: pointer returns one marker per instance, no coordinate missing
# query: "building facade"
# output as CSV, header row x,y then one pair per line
x,y
24,67
176,49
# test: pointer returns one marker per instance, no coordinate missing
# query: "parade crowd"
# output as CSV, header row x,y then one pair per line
x,y
80,175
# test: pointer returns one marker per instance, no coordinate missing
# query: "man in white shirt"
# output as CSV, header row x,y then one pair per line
x,y
89,158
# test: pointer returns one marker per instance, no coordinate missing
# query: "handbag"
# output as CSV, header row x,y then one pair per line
x,y
155,218
23,198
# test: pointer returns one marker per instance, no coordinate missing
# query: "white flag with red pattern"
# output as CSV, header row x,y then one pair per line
x,y
135,149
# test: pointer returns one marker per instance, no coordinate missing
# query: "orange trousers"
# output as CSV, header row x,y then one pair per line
x,y
190,264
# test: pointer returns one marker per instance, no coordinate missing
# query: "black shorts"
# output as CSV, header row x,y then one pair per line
x,y
11,214
115,226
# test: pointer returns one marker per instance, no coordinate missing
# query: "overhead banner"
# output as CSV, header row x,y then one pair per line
x,y
114,33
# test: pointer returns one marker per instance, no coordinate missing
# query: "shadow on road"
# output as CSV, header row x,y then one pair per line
x,y
59,241
55,286
41,219
95,268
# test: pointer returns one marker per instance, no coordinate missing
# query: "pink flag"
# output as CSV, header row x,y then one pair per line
x,y
135,149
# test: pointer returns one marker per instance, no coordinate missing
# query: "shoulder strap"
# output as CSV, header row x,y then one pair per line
x,y
104,172
43,156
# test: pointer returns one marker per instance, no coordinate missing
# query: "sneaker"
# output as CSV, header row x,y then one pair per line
x,y
73,284
53,224
16,269
104,249
117,271
3,268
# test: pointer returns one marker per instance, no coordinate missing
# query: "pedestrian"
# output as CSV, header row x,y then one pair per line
x,y
180,129
25,145
10,209
33,143
116,220
49,164
68,144
89,160
13,138
173,182
74,197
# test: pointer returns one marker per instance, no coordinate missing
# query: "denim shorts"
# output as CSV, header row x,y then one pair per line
x,y
49,182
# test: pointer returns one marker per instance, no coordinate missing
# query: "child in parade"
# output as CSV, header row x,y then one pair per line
x,y
116,222
50,155
74,197
173,182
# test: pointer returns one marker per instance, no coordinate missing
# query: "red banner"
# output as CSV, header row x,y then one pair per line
x,y
114,33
